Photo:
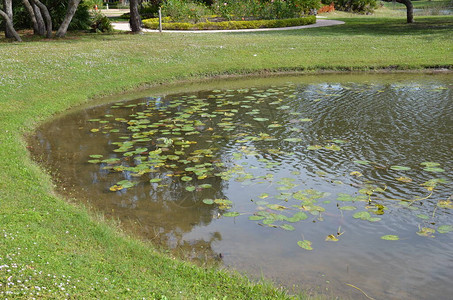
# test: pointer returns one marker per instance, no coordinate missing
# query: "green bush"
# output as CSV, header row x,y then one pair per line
x,y
101,23
357,6
154,24
275,9
184,10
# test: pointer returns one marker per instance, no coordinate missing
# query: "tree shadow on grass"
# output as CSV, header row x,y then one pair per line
x,y
378,27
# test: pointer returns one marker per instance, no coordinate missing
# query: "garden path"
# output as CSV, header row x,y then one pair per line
x,y
124,26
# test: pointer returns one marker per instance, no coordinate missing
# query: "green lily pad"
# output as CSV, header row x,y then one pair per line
x,y
400,168
390,237
348,208
186,178
190,188
434,170
430,164
256,218
363,215
445,228
423,216
208,201
231,214
287,227
426,231
305,244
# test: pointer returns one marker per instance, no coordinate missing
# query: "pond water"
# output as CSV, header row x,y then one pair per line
x,y
339,184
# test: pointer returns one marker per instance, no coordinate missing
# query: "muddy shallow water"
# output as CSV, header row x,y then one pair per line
x,y
254,173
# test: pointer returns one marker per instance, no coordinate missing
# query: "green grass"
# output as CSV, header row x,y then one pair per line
x,y
52,243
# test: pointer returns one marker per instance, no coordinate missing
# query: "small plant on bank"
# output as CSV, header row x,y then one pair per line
x,y
101,23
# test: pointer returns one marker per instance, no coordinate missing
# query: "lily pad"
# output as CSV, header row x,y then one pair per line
x,y
426,231
434,170
231,214
400,168
390,237
445,228
305,244
287,227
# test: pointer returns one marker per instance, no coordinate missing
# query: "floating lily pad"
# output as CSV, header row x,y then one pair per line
x,y
190,188
434,169
430,164
305,244
287,227
208,201
400,168
348,208
423,216
231,214
404,179
426,231
390,237
445,228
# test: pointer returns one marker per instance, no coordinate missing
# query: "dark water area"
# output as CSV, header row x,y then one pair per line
x,y
253,174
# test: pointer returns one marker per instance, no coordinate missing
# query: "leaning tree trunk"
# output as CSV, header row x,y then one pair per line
x,y
8,7
10,26
47,17
39,18
135,20
31,12
409,9
72,8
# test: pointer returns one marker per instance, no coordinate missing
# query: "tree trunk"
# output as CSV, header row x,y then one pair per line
x,y
39,19
72,8
135,20
10,26
8,7
32,16
409,9
47,17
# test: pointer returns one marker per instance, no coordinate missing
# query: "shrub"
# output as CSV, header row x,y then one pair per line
x,y
154,24
271,9
100,23
184,10
357,6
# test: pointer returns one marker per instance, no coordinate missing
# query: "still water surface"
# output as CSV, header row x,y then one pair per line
x,y
253,173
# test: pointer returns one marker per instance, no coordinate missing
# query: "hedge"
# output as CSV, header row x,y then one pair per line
x,y
154,24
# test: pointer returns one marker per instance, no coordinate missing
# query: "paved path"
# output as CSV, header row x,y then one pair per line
x,y
319,23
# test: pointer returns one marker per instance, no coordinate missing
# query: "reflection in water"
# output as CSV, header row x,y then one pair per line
x,y
298,161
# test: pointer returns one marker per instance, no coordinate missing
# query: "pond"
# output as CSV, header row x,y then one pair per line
x,y
338,184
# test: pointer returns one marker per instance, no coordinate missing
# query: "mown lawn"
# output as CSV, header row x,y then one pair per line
x,y
56,248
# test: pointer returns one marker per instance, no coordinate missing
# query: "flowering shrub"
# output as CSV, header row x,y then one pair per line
x,y
326,8
358,6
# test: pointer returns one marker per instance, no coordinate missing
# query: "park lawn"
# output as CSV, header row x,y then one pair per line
x,y
56,247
